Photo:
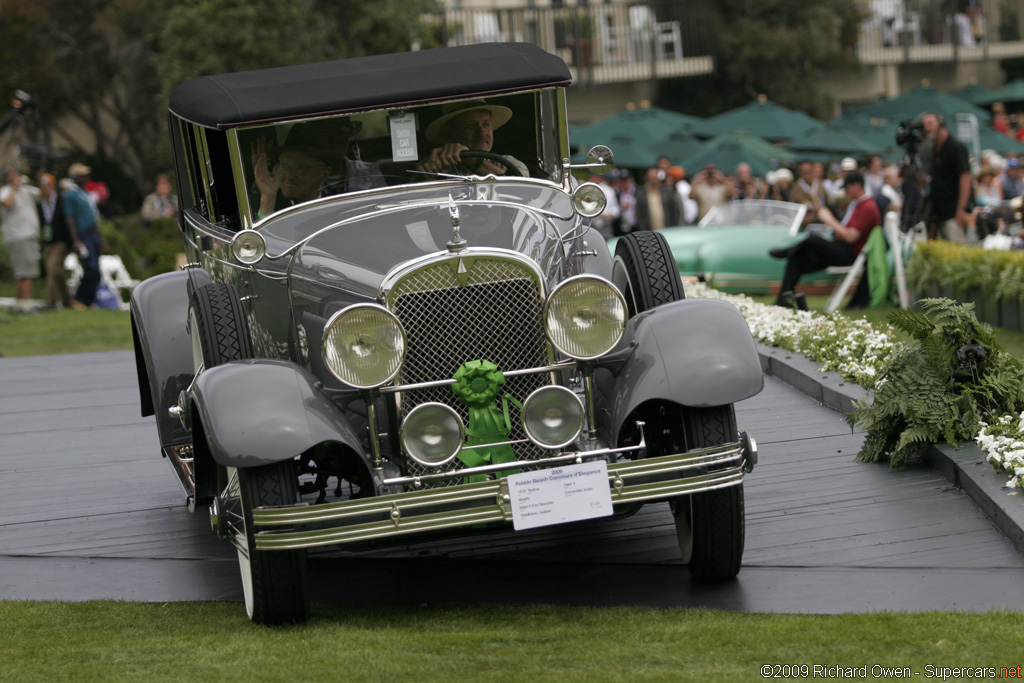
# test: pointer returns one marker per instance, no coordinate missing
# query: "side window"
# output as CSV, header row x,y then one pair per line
x,y
221,180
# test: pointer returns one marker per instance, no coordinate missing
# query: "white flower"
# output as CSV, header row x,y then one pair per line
x,y
858,351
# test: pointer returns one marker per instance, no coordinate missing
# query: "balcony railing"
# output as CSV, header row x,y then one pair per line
x,y
606,43
905,31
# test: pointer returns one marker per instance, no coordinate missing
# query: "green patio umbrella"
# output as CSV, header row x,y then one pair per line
x,y
729,150
634,135
925,99
974,93
1011,92
653,122
833,142
677,146
761,117
991,139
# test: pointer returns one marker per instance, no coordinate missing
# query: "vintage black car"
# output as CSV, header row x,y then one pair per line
x,y
411,350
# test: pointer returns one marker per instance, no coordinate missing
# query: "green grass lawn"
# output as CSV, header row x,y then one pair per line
x,y
108,641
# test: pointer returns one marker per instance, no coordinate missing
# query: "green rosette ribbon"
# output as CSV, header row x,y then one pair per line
x,y
477,384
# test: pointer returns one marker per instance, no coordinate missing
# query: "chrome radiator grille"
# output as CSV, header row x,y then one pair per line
x,y
494,314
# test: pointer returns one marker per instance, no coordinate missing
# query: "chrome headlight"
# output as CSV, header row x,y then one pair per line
x,y
585,317
432,434
364,345
552,417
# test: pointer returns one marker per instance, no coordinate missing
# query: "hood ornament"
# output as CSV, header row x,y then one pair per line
x,y
456,244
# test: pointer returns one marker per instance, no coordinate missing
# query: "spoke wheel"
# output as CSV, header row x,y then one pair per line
x,y
645,271
710,526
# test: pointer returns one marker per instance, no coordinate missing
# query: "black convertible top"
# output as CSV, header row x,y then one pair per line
x,y
406,78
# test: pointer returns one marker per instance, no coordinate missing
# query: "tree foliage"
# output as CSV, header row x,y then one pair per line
x,y
779,48
109,66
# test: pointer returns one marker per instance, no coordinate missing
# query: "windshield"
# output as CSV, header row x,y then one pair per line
x,y
284,164
756,212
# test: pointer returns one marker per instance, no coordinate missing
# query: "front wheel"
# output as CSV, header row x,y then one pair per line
x,y
274,582
710,526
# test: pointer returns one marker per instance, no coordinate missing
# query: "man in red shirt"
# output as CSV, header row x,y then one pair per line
x,y
849,236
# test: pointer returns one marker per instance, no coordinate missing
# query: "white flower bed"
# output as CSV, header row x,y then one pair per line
x,y
857,350
1003,443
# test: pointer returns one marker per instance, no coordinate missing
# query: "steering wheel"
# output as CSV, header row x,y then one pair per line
x,y
510,168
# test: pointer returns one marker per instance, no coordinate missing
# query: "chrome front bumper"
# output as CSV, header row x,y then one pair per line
x,y
465,505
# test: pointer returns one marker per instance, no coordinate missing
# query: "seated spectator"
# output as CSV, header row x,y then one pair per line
x,y
161,203
987,192
891,190
1013,179
817,253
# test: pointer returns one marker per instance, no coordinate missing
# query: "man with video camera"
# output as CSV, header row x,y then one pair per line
x,y
950,187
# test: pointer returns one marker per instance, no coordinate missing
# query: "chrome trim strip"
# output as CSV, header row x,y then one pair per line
x,y
554,367
487,501
470,254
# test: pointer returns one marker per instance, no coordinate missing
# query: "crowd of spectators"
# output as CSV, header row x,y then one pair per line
x,y
43,221
679,198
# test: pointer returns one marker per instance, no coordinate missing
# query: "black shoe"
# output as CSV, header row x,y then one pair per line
x,y
781,252
786,300
801,301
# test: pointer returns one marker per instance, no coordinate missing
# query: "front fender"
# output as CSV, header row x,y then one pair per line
x,y
695,352
258,412
163,351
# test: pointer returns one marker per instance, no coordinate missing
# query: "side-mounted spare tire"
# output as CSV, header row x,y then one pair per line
x,y
645,271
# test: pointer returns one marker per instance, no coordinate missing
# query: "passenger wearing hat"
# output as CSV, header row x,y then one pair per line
x,y
85,234
467,126
310,164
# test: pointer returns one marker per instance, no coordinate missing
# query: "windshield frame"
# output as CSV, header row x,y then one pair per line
x,y
715,217
540,112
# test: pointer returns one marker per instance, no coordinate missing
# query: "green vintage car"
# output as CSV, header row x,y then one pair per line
x,y
729,247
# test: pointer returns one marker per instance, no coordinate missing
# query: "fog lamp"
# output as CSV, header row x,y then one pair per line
x,y
553,417
432,434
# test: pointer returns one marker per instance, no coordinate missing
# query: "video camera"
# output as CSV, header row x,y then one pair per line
x,y
23,100
909,134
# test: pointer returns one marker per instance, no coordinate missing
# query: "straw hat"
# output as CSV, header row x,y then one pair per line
x,y
499,117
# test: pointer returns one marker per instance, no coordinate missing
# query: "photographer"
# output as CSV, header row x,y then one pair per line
x,y
710,189
950,188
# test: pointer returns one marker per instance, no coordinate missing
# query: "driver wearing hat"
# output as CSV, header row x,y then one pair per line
x,y
466,126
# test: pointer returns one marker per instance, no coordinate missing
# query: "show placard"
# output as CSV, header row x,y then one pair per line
x,y
559,495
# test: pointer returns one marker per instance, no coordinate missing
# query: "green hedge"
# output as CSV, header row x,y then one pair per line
x,y
997,274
